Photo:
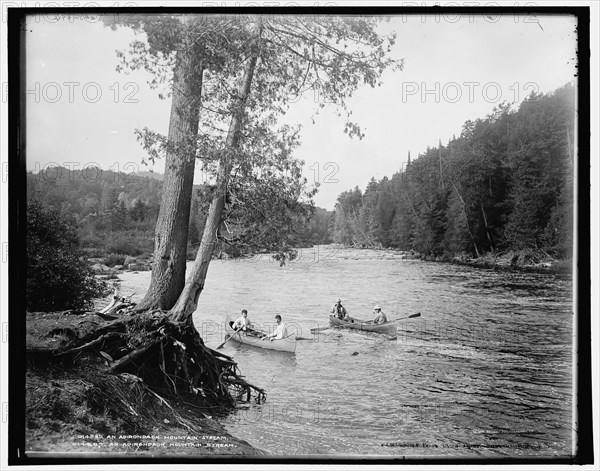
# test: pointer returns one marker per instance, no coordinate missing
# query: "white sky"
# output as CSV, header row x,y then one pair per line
x,y
469,64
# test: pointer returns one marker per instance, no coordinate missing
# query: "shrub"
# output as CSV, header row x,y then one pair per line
x,y
113,259
129,243
58,277
93,252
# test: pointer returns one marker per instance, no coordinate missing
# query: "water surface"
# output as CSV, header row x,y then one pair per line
x,y
485,371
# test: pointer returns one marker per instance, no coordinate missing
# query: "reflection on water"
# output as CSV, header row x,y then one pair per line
x,y
485,371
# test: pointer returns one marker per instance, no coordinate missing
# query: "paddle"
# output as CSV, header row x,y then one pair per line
x,y
418,314
284,338
319,329
227,340
314,330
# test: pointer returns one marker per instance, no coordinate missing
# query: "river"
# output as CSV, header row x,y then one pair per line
x,y
485,371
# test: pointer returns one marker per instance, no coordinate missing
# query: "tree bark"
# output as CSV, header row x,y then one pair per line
x,y
488,230
170,243
464,208
188,301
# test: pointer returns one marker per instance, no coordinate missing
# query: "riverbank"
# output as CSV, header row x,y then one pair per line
x,y
530,261
110,266
527,260
75,405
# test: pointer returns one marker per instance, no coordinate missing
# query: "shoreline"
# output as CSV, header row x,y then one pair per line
x,y
527,260
506,263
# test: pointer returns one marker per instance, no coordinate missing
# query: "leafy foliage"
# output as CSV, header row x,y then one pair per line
x,y
57,276
88,198
113,211
267,199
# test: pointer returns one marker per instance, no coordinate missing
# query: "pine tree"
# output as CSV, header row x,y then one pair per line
x,y
118,217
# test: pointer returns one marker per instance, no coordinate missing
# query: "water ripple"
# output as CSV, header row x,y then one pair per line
x,y
485,371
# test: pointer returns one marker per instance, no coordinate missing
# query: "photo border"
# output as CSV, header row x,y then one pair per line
x,y
17,237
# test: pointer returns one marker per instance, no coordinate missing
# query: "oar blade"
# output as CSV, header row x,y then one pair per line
x,y
318,329
227,339
412,316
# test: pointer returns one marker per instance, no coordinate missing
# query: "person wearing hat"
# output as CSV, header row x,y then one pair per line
x,y
380,316
339,310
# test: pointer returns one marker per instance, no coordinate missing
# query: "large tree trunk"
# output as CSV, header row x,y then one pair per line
x,y
170,243
188,301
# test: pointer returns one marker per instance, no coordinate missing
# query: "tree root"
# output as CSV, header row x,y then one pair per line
x,y
131,357
169,358
94,343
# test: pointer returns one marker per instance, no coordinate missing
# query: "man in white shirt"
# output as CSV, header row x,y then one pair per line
x,y
242,322
380,317
280,331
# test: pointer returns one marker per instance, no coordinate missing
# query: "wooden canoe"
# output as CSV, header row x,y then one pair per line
x,y
283,345
387,328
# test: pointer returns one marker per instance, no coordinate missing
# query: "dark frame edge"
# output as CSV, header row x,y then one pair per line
x,y
16,234
584,453
17,216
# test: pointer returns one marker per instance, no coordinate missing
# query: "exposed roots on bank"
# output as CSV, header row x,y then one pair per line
x,y
145,362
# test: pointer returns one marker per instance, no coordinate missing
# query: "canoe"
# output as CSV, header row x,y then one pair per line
x,y
387,328
283,345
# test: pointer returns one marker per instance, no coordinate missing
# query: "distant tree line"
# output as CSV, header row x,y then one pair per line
x,y
116,213
506,183
113,212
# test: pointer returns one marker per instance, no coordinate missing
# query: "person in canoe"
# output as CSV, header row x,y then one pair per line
x,y
339,310
380,316
280,331
243,323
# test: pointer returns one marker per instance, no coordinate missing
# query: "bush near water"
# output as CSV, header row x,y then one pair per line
x,y
58,277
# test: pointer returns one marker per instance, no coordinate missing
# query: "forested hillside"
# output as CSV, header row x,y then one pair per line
x,y
504,184
115,213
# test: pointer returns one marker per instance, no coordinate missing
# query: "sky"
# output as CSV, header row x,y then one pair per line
x,y
81,111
